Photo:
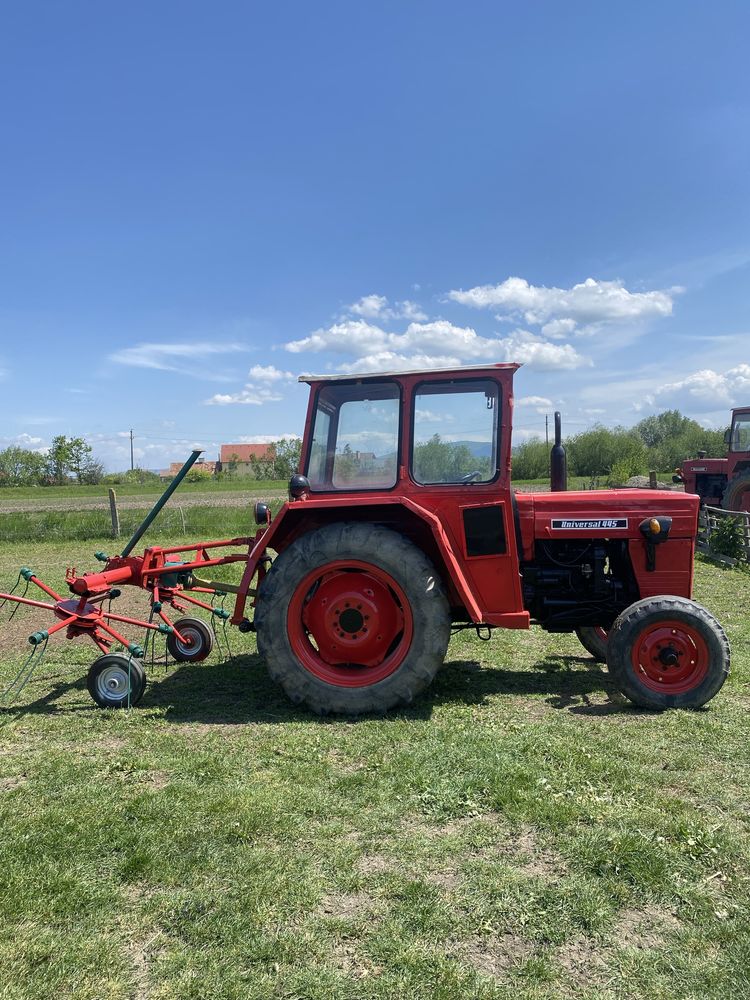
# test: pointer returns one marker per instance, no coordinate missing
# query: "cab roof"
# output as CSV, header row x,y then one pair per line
x,y
426,372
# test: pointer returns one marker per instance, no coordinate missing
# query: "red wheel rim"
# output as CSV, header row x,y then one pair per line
x,y
670,657
350,624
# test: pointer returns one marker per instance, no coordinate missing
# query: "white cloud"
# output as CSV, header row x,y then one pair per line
x,y
438,344
533,401
28,441
351,336
251,395
557,329
410,310
529,349
377,307
369,306
428,417
387,361
709,390
540,404
562,309
183,358
267,373
264,438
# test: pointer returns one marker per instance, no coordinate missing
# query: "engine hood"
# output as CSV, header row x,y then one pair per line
x,y
602,514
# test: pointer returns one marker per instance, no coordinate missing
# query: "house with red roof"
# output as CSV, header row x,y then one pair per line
x,y
236,457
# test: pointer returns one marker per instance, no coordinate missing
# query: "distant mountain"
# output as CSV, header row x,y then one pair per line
x,y
482,449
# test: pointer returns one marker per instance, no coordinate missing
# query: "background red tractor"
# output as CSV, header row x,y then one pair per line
x,y
723,482
402,527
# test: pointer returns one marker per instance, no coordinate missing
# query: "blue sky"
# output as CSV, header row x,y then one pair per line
x,y
199,202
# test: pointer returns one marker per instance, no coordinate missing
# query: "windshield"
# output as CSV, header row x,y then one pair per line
x,y
455,432
355,437
740,433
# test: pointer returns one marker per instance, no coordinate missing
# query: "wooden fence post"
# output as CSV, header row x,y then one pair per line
x,y
652,479
114,513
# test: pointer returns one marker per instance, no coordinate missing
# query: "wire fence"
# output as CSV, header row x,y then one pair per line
x,y
710,522
191,522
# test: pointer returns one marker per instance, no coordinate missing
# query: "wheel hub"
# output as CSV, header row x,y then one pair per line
x,y
353,618
671,656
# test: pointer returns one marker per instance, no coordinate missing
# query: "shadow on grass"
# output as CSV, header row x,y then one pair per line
x,y
238,690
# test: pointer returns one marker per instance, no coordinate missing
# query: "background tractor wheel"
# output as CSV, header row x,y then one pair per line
x,y
198,641
668,652
593,638
737,494
352,618
109,678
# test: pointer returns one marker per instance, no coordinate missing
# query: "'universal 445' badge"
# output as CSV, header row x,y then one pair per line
x,y
589,524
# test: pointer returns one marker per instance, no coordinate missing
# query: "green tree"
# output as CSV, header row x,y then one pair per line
x,y
288,452
671,438
531,460
438,461
21,467
67,456
345,465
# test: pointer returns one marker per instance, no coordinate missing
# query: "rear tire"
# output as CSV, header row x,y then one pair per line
x,y
737,494
111,676
668,652
594,641
352,618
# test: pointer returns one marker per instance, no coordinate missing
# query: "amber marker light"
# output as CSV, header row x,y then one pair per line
x,y
654,526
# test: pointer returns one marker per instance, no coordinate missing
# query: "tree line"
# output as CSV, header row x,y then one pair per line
x,y
69,460
66,459
660,442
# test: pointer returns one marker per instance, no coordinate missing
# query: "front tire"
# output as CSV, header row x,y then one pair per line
x,y
352,618
737,494
668,652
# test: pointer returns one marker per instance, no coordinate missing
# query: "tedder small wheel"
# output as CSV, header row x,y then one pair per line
x,y
593,638
668,652
737,494
109,678
198,641
352,618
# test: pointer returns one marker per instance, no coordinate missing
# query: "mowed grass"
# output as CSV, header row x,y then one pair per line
x,y
519,832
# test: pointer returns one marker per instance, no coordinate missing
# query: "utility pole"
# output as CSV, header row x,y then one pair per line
x,y
132,466
546,428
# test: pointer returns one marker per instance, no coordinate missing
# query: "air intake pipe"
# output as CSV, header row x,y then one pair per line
x,y
558,463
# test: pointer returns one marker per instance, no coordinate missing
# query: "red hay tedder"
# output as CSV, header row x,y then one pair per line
x,y
401,527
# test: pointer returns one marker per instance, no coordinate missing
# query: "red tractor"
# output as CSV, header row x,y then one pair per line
x,y
402,527
723,482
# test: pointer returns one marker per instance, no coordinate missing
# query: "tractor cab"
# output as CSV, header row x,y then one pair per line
x,y
409,431
738,436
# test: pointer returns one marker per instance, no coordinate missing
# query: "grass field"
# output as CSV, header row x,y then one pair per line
x,y
520,832
187,523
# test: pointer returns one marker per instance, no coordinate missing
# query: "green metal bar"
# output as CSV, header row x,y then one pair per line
x,y
148,519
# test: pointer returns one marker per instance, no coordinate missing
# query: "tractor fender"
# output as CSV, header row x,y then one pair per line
x,y
401,513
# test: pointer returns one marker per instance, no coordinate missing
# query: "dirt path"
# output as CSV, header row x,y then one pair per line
x,y
235,498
